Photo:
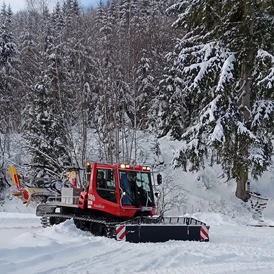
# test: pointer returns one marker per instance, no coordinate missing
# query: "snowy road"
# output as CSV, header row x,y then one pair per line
x,y
233,248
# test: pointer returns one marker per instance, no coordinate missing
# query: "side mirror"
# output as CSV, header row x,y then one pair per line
x,y
159,179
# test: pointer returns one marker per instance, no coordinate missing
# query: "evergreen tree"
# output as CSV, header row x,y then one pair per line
x,y
145,90
217,68
10,84
42,131
45,114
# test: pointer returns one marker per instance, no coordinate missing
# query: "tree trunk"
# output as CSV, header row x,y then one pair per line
x,y
241,192
243,140
84,139
247,61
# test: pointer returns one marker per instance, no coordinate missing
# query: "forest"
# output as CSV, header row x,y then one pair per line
x,y
199,71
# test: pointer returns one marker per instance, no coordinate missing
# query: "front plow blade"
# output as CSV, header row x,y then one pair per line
x,y
161,233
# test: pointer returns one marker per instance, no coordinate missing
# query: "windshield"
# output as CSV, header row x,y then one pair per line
x,y
137,188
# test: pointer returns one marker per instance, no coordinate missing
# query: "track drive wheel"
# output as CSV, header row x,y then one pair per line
x,y
52,220
98,229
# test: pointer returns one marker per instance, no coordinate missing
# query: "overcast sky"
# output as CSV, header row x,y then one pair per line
x,y
17,5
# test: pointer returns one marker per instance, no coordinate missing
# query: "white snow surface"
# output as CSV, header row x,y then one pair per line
x,y
233,248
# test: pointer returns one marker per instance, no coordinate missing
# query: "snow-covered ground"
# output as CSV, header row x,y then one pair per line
x,y
233,248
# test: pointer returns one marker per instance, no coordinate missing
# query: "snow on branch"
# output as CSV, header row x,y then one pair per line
x,y
266,56
262,110
185,50
208,111
257,156
243,130
218,133
192,135
207,59
183,9
179,6
208,116
203,68
268,79
226,72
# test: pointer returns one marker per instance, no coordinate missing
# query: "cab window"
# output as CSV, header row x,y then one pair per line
x,y
106,185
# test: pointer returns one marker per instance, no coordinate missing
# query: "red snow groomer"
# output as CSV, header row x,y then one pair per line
x,y
118,202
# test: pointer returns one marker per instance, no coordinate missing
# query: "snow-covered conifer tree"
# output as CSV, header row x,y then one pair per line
x,y
221,73
145,90
10,84
45,125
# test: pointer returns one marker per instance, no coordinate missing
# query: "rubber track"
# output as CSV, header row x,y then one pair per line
x,y
45,221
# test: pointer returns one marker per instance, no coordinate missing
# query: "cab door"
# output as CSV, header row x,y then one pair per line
x,y
106,184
